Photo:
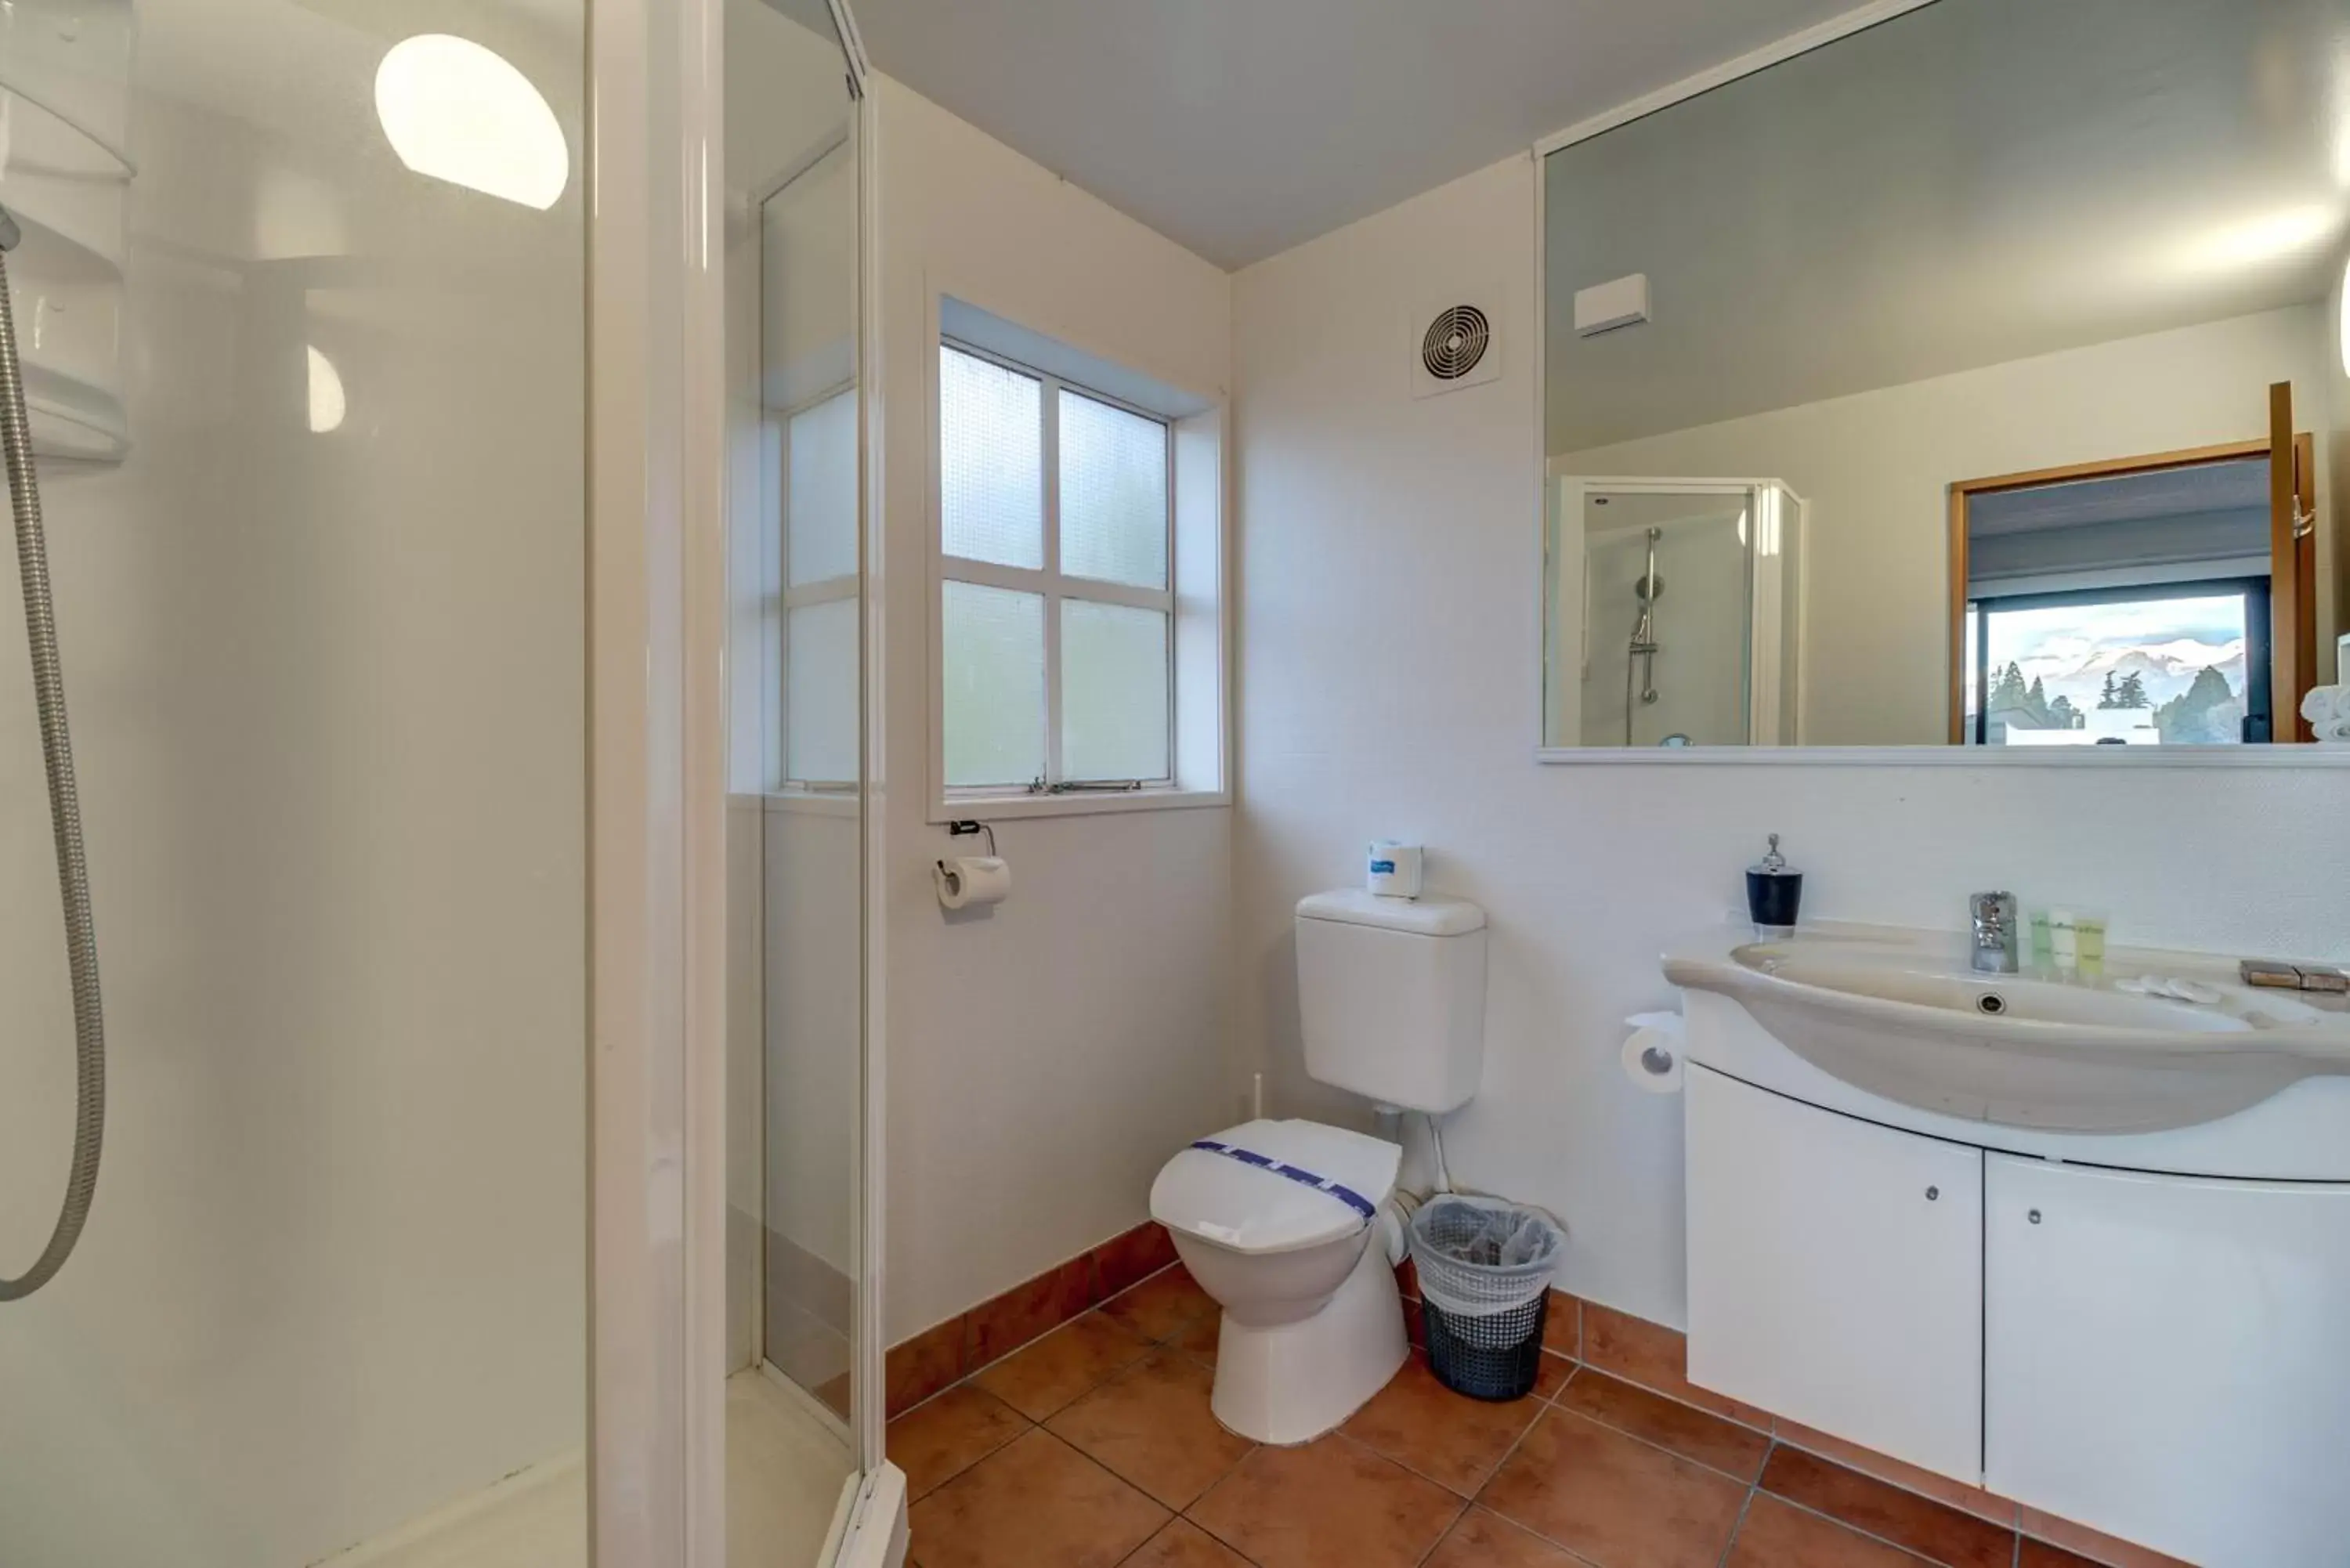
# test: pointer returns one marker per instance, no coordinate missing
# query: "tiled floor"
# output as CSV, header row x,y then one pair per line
x,y
1095,1447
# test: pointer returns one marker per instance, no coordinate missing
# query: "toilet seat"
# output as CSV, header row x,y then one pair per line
x,y
1248,1208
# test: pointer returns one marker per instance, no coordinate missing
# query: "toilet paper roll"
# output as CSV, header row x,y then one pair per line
x,y
1652,1053
972,882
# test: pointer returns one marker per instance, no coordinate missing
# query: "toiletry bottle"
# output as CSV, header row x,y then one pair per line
x,y
1774,892
2064,940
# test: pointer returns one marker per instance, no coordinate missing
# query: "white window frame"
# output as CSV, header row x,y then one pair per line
x,y
1054,586
1198,665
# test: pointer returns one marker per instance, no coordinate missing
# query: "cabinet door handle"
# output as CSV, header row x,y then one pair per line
x,y
1933,1195
2033,1216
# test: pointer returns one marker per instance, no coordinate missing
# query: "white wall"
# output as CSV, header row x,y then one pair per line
x,y
1876,468
1046,1059
328,703
1390,647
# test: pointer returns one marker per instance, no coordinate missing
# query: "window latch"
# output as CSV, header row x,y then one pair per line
x,y
1084,786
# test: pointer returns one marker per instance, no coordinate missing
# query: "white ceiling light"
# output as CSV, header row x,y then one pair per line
x,y
457,111
326,404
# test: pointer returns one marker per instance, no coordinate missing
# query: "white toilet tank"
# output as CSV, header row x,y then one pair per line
x,y
1392,996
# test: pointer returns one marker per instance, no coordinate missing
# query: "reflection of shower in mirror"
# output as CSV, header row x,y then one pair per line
x,y
1647,591
1717,665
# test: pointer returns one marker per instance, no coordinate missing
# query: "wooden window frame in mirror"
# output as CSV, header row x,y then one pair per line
x,y
2293,648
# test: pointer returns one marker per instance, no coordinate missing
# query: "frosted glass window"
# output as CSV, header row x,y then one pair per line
x,y
1113,494
820,693
822,496
991,462
1113,691
992,684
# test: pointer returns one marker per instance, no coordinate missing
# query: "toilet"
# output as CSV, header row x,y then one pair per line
x,y
1289,1224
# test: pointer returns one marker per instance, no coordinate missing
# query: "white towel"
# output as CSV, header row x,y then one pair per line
x,y
2334,733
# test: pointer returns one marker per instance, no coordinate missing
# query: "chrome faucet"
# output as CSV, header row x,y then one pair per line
x,y
1993,951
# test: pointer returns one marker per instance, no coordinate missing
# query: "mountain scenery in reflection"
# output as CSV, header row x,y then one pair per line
x,y
2111,669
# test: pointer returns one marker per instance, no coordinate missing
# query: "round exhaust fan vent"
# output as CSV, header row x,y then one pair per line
x,y
1455,341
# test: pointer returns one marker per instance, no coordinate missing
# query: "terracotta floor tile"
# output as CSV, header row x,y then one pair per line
x,y
1199,1339
1656,1358
1150,1424
1941,1488
1451,1440
1029,1311
1332,1503
1184,1544
1688,1431
1484,1540
1776,1534
1163,1305
2083,1541
1614,1498
1067,1362
1127,1259
938,1441
1930,1529
1038,1503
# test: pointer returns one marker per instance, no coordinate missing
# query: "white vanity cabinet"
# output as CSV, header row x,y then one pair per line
x,y
2164,1358
1836,1273
2168,1358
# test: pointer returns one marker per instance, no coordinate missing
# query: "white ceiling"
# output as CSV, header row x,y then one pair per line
x,y
1240,128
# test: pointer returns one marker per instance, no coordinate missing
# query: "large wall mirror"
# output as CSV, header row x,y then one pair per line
x,y
1976,380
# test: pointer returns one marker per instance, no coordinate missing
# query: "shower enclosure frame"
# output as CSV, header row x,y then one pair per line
x,y
657,764
1773,675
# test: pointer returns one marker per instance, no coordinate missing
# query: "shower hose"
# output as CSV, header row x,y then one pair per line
x,y
65,804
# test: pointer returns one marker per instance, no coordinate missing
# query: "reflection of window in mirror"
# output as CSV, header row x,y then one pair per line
x,y
2020,338
808,461
2126,604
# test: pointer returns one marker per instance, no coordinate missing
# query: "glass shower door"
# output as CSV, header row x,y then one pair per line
x,y
303,345
796,972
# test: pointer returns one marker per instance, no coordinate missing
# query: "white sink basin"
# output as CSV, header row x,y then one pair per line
x,y
1905,1017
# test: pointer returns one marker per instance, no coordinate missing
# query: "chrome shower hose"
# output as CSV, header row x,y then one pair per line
x,y
65,804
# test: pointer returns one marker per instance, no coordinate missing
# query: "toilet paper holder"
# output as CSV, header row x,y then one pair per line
x,y
966,828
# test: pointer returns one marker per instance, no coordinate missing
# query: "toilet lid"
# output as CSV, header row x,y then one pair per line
x,y
1217,1191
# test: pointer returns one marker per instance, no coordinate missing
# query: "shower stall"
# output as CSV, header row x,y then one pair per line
x,y
416,1190
1675,611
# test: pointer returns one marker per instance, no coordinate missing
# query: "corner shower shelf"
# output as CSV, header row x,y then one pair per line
x,y
75,420
67,187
